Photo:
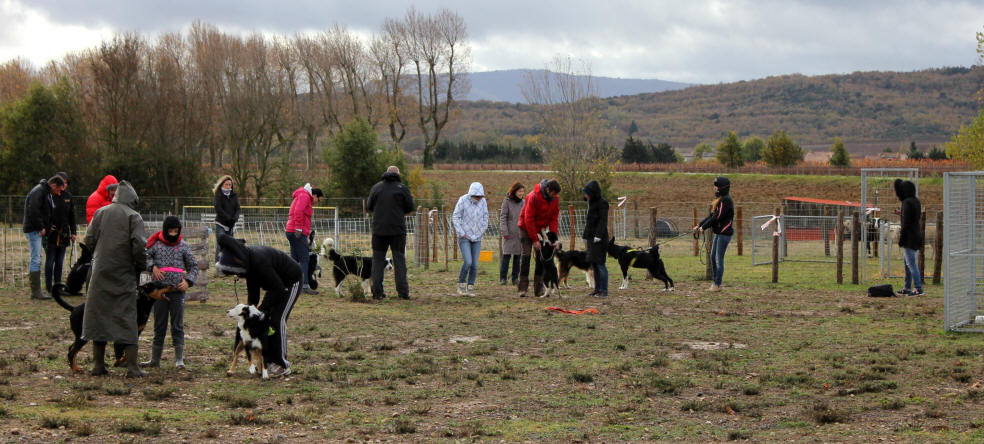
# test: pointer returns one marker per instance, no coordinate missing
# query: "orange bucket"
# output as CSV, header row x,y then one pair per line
x,y
485,256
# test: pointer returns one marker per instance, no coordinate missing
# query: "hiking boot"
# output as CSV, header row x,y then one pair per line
x,y
276,371
470,290
309,290
461,289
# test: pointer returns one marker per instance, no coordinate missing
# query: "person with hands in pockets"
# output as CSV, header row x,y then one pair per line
x,y
595,237
471,219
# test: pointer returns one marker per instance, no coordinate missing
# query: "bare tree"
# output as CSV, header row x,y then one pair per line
x,y
437,50
15,77
388,54
576,143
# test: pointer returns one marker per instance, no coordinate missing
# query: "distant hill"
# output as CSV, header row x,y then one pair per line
x,y
867,109
503,86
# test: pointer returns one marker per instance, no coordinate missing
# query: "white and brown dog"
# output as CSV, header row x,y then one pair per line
x,y
252,330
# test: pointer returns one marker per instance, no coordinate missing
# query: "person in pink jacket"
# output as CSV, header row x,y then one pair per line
x,y
299,228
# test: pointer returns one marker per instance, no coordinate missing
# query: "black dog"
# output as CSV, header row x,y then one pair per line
x,y
79,273
146,295
342,266
576,259
633,258
314,267
252,334
548,248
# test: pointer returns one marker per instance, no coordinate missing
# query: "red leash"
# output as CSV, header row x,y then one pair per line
x,y
573,312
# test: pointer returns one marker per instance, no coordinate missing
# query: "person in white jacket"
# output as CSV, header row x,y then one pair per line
x,y
471,219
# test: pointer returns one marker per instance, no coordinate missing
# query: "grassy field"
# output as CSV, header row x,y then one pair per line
x,y
802,360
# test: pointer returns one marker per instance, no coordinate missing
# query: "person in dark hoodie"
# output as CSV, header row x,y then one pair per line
x,y
227,209
541,210
61,233
116,237
595,237
910,238
38,206
720,221
265,268
390,201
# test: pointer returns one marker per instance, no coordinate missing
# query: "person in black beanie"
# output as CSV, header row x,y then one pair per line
x,y
720,221
265,268
61,233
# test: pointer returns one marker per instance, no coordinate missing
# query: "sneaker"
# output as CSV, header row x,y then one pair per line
x,y
470,290
503,282
918,292
515,282
461,289
601,294
522,294
903,292
714,287
276,371
309,290
592,294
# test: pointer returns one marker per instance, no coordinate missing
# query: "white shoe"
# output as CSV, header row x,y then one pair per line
x,y
461,290
714,287
471,290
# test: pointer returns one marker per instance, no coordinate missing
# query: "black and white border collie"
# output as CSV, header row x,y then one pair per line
x,y
359,266
548,248
574,259
252,330
647,259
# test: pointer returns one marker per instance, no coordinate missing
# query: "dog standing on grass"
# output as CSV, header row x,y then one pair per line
x,y
548,249
647,259
574,259
342,266
252,334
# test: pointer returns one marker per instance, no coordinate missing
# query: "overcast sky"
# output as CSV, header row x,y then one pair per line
x,y
686,41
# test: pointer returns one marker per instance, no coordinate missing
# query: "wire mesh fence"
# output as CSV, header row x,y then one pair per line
x,y
963,286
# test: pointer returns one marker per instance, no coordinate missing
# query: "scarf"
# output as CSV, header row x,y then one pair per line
x,y
159,237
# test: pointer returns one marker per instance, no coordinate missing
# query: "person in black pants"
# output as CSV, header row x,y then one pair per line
x,y
227,209
61,234
275,272
595,237
390,201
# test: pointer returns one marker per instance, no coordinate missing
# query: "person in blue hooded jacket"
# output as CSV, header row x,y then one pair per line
x,y
470,219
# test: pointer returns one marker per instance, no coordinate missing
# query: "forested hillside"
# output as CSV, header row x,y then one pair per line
x,y
863,106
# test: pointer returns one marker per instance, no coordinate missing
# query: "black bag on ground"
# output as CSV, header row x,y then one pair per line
x,y
881,291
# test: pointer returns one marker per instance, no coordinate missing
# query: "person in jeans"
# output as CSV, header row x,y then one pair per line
x,y
172,263
910,238
540,211
299,228
595,237
227,209
61,233
470,219
390,201
512,248
720,221
38,206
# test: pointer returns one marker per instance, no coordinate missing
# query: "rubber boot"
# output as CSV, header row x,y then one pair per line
x,y
36,293
179,357
98,359
132,367
155,357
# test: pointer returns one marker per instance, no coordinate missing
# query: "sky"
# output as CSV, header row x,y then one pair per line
x,y
685,41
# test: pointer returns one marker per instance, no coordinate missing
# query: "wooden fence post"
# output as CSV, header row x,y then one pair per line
x,y
570,211
741,232
938,249
696,242
839,238
855,238
444,225
635,211
653,235
424,250
611,223
435,225
922,249
775,250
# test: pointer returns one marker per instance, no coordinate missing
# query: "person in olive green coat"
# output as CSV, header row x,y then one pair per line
x,y
119,255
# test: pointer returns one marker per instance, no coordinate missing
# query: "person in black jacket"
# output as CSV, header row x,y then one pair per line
x,y
390,201
265,268
227,209
61,233
720,221
595,237
910,238
37,218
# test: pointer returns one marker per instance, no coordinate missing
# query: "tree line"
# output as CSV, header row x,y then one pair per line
x,y
167,112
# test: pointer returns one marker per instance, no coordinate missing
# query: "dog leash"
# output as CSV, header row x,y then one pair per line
x,y
235,288
688,233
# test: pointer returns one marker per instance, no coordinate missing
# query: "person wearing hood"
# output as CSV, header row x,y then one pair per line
x,y
390,202
116,237
273,271
172,263
61,233
299,229
38,207
720,221
102,196
470,220
595,236
227,209
910,237
540,211
512,248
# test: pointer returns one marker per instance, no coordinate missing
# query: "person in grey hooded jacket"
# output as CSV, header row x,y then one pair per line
x,y
470,219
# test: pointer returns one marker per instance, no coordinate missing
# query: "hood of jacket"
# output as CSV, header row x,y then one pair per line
x,y
904,189
390,177
542,189
106,181
476,189
593,190
235,258
306,189
126,195
218,184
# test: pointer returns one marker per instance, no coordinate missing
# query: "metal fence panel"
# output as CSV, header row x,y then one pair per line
x,y
963,250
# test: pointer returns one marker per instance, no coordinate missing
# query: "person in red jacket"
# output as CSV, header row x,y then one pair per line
x,y
540,211
299,228
101,197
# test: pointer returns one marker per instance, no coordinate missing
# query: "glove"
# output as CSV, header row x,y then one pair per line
x,y
597,239
298,234
506,237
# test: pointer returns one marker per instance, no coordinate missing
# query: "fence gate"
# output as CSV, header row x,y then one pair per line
x,y
963,251
877,200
